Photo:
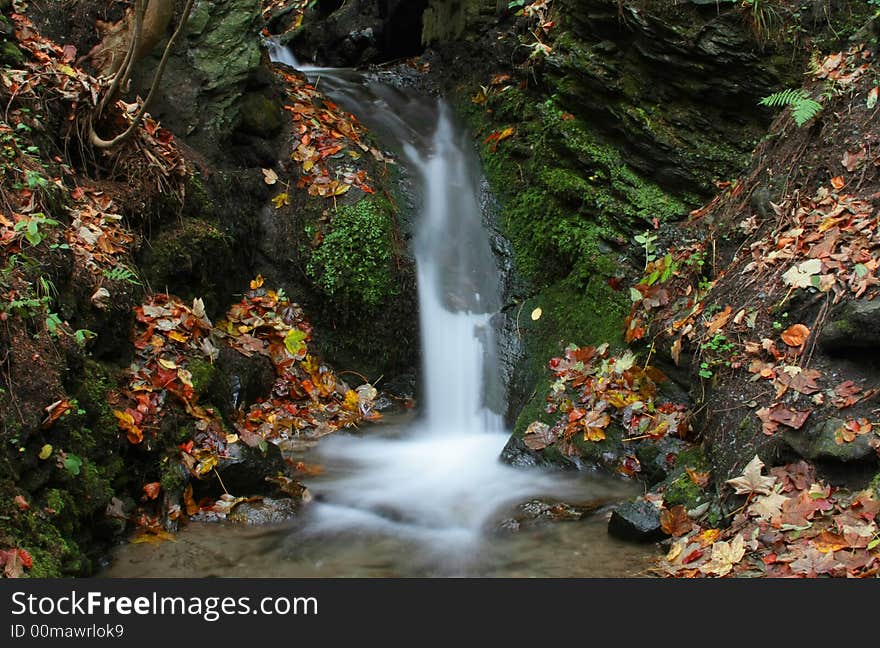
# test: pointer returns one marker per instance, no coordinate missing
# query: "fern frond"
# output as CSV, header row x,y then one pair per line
x,y
803,107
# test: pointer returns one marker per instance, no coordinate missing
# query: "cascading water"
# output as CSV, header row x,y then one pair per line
x,y
418,499
440,480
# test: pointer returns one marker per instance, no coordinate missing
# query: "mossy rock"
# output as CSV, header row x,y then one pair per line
x,y
10,54
260,116
191,259
353,265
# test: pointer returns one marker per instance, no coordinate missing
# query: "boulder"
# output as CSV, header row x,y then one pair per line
x,y
636,521
854,325
817,441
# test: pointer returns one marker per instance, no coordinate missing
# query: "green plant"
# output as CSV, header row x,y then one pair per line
x,y
716,352
354,261
121,273
30,227
647,241
803,107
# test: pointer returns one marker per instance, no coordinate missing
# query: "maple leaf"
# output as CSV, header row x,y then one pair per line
x,y
751,480
538,436
768,507
151,490
811,562
281,200
724,556
675,521
792,418
801,275
718,321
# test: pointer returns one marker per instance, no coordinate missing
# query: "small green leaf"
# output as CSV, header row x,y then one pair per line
x,y
861,269
294,341
72,463
635,295
873,544
46,451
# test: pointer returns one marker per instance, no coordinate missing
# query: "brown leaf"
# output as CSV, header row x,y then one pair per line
x,y
851,161
795,335
538,436
792,418
151,490
701,479
718,321
675,521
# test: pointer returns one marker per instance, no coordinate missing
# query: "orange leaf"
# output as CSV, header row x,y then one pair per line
x,y
718,322
795,335
675,521
151,490
838,182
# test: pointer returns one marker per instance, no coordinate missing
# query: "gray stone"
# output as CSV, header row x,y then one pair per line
x,y
264,511
853,325
636,521
817,442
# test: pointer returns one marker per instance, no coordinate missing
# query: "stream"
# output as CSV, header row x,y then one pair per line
x,y
426,496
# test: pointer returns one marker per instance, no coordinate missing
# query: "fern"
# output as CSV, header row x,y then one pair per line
x,y
803,107
121,273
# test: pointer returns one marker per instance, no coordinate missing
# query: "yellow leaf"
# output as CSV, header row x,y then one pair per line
x,y
168,364
46,451
341,189
536,314
66,69
257,283
280,200
351,400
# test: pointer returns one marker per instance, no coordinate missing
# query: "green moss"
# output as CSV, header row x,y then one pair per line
x,y
187,259
203,374
680,488
197,200
260,115
10,54
875,485
583,315
354,262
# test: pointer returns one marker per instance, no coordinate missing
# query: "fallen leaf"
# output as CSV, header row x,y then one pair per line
x,y
151,490
792,418
724,556
281,200
751,480
795,335
538,436
675,521
801,275
269,176
718,321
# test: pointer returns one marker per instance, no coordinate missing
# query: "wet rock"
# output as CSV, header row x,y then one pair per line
x,y
637,521
260,115
853,325
264,511
245,470
537,512
517,453
817,442
659,458
240,380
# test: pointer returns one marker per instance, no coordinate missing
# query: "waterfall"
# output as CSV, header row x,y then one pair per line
x,y
437,481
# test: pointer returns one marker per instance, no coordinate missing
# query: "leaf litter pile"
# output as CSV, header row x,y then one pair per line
x,y
328,144
592,391
307,400
791,525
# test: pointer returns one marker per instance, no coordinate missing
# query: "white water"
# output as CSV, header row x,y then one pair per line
x,y
439,481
